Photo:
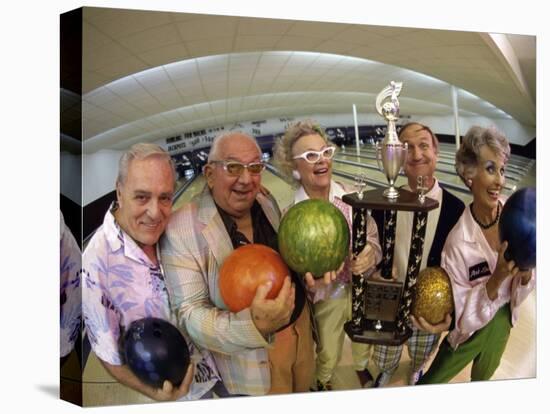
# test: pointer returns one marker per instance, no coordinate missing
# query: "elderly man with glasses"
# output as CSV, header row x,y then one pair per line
x,y
268,347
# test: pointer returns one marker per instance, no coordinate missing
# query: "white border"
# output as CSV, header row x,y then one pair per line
x,y
30,201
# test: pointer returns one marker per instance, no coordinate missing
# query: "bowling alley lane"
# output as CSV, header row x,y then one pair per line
x,y
193,189
100,389
281,190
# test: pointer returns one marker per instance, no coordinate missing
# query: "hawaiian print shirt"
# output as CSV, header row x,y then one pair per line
x,y
70,298
121,285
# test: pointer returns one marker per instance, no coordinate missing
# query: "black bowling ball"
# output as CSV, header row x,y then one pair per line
x,y
517,225
155,350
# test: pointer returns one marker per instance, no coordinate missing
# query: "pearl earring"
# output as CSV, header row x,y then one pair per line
x,y
296,175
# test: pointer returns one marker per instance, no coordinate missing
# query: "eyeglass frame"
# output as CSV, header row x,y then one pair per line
x,y
319,154
225,163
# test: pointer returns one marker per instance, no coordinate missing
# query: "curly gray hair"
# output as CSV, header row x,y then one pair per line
x,y
283,147
467,156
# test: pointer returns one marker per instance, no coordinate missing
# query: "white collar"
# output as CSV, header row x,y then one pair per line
x,y
434,191
336,190
118,238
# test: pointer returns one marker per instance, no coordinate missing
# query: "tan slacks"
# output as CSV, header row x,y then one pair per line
x,y
331,314
292,358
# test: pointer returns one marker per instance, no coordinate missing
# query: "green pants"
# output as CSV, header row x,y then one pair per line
x,y
484,348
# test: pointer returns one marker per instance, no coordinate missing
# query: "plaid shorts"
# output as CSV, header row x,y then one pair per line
x,y
420,346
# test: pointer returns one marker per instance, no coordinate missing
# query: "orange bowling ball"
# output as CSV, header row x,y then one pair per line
x,y
245,269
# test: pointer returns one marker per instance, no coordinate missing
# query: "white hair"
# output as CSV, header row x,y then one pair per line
x,y
142,151
213,155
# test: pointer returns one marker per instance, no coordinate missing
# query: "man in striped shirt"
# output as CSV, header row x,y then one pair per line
x,y
230,211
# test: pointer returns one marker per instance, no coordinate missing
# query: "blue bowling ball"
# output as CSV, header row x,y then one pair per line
x,y
517,225
155,350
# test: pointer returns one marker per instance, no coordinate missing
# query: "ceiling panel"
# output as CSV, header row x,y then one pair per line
x,y
236,67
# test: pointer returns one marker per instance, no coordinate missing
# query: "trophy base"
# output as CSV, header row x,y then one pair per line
x,y
379,322
391,193
376,337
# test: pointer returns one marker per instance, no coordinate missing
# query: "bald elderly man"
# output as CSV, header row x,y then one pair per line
x,y
267,347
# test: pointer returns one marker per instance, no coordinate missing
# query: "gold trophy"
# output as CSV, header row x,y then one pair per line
x,y
381,308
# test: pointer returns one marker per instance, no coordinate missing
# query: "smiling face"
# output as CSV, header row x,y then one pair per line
x,y
422,154
234,194
314,177
489,180
145,199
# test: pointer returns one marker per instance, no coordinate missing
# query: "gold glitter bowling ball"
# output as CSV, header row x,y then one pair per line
x,y
433,296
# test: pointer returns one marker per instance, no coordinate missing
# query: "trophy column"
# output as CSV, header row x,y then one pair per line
x,y
388,235
359,241
413,267
380,308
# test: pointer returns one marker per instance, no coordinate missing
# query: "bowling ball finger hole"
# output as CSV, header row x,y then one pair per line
x,y
157,333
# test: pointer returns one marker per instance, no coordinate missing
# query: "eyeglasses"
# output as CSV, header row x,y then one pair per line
x,y
314,156
235,168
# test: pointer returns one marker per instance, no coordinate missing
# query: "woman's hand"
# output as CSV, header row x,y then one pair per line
x,y
363,261
502,270
525,276
327,278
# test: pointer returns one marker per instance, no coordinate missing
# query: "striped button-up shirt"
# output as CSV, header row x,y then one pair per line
x,y
193,248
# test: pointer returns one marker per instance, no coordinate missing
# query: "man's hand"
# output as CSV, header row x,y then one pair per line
x,y
124,375
170,393
271,314
378,276
424,325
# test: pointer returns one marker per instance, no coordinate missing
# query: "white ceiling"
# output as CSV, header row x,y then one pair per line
x,y
149,75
